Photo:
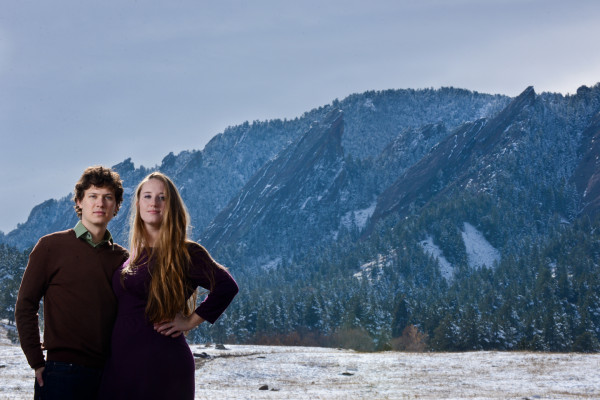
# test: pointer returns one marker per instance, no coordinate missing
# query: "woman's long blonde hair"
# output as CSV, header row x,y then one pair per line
x,y
168,290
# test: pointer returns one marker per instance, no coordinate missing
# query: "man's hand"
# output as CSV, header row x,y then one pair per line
x,y
178,325
38,376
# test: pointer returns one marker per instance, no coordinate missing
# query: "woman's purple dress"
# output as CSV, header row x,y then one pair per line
x,y
143,363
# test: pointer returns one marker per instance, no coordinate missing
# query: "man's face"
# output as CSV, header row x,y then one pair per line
x,y
98,206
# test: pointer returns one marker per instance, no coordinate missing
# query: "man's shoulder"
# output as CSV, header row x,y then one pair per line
x,y
68,238
57,237
119,249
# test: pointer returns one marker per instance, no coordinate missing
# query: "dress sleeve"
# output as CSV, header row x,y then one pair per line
x,y
33,287
224,290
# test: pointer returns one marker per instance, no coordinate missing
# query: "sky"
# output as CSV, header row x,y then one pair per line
x,y
97,82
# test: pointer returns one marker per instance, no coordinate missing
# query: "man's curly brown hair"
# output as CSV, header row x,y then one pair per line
x,y
100,177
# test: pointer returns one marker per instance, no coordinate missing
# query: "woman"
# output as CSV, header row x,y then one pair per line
x,y
155,288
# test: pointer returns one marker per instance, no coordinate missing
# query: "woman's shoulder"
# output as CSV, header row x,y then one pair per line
x,y
193,246
196,250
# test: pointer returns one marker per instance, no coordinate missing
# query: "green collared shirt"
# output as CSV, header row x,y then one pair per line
x,y
82,233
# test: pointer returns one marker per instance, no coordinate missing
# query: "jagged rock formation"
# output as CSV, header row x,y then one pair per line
x,y
452,159
293,196
587,174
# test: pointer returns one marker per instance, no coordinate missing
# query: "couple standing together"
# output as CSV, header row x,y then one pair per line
x,y
113,321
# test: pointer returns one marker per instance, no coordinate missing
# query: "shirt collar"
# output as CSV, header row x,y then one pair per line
x,y
82,232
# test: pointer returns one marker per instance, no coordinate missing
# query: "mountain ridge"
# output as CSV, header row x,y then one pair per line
x,y
469,219
230,158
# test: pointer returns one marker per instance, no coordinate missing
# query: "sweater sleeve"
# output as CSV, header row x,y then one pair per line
x,y
33,287
225,287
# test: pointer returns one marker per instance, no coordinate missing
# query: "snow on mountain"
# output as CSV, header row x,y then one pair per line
x,y
374,269
479,251
433,250
358,217
272,264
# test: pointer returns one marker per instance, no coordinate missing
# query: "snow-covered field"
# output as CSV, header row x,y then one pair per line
x,y
239,372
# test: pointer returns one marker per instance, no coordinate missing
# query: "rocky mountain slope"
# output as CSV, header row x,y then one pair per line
x,y
295,195
210,178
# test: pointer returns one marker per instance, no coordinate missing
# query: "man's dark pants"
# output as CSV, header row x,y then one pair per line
x,y
67,381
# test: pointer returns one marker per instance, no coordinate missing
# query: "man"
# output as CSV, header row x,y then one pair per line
x,y
72,271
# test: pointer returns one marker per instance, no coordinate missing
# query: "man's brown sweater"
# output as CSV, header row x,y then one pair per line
x,y
74,279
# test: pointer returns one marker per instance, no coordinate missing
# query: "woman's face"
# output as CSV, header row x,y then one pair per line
x,y
151,203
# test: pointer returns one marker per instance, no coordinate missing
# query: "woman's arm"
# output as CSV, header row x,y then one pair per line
x,y
223,289
178,325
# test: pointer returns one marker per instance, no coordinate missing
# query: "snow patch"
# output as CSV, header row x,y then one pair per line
x,y
267,187
305,202
453,147
479,251
375,268
272,264
369,104
430,248
360,217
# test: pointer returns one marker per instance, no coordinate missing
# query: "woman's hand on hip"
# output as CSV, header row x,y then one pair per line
x,y
178,325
